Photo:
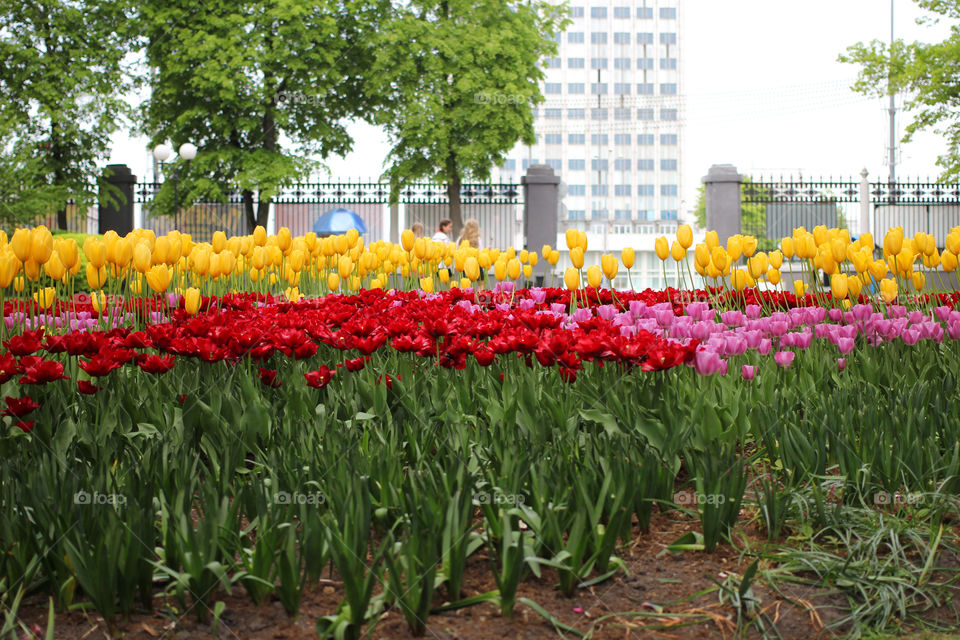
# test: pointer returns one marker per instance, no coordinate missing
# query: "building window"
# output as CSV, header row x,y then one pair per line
x,y
598,214
575,37
621,190
552,87
598,114
576,164
668,164
668,139
576,214
576,138
669,189
645,13
668,214
552,114
575,87
526,162
622,214
668,89
645,114
622,164
644,189
668,63
668,37
599,88
645,164
598,63
575,63
553,138
645,38
621,139
598,189
645,89
576,12
621,63
621,12
576,190
621,37
668,114
645,139
553,63
599,165
621,88
575,114
598,12
599,139
621,114
644,63
668,13
555,164
598,37
509,165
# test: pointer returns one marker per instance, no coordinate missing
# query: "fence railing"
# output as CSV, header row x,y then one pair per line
x,y
498,209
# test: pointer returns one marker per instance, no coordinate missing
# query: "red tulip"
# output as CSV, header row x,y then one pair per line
x,y
19,407
320,378
269,377
99,366
39,371
155,364
87,387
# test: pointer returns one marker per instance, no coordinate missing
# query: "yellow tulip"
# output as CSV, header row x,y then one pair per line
x,y
838,286
628,256
54,267
775,258
18,284
953,243
69,252
96,253
554,258
292,294
576,257
45,297
284,239
259,236
9,265
662,248
533,258
472,269
98,300
345,266
514,268
685,236
786,247
571,278
427,284
191,300
888,290
444,275
677,251
500,270
949,261
720,259
734,247
739,279
407,239
158,278
919,280
799,288
41,245
893,241
773,276
141,257
527,271
594,276
854,286
701,256
878,270
749,245
905,260
20,243
333,281
712,240
31,269
610,266
96,278
820,234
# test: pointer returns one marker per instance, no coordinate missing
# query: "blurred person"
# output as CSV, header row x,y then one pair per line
x,y
444,229
470,233
417,229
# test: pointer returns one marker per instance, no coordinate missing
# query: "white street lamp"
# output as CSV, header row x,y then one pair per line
x,y
162,153
188,151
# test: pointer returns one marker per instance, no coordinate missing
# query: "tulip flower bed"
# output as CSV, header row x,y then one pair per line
x,y
198,429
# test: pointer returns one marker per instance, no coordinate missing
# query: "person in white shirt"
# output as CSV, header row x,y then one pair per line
x,y
443,233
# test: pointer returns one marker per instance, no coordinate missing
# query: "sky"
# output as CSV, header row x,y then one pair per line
x,y
764,92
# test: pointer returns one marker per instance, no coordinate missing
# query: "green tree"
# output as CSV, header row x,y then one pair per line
x,y
927,72
62,85
258,85
458,79
25,192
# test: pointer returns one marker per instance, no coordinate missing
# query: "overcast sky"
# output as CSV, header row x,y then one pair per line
x,y
764,91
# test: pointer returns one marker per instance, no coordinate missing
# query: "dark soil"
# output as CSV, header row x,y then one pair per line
x,y
660,597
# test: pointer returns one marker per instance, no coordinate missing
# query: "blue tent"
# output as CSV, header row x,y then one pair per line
x,y
338,221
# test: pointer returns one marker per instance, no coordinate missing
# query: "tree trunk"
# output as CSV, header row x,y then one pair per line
x,y
247,195
263,213
453,194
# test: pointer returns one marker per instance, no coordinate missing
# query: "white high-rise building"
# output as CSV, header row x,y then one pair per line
x,y
612,127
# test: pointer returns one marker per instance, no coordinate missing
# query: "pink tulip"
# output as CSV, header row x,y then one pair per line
x,y
845,345
765,346
706,362
841,364
749,372
784,358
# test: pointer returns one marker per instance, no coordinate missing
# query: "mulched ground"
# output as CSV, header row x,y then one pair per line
x,y
662,586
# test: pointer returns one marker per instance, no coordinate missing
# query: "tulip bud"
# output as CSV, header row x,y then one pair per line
x,y
572,238
571,278
45,297
786,247
685,236
749,244
500,270
158,278
677,252
628,256
662,248
407,239
919,280
712,240
888,290
594,276
333,281
472,269
9,265
284,239
893,241
838,286
799,288
554,258
427,284
739,279
949,261
854,285
734,247
20,243
191,301
41,245
773,276
527,271
96,278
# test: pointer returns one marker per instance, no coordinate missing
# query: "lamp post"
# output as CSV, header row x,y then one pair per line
x,y
162,153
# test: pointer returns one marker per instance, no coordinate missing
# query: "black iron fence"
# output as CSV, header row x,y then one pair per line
x,y
497,208
771,209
